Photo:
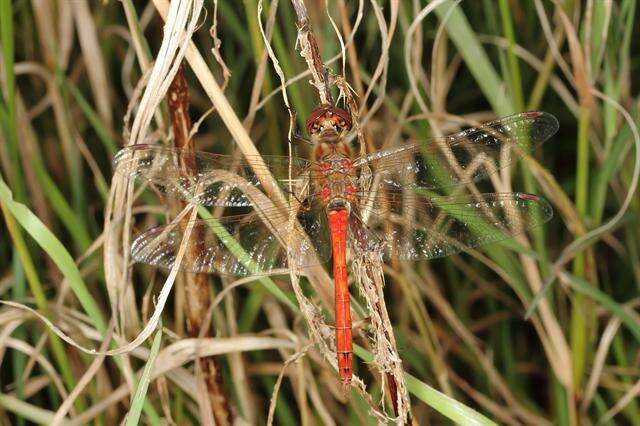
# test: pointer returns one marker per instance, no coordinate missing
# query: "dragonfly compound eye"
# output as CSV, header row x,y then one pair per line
x,y
330,115
342,118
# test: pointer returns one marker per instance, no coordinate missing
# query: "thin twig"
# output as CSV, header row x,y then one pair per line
x,y
197,285
388,359
309,50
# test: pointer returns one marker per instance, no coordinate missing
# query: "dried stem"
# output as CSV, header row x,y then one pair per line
x,y
366,272
310,52
370,281
197,285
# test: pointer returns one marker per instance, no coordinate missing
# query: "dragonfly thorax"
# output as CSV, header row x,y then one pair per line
x,y
338,189
336,164
337,177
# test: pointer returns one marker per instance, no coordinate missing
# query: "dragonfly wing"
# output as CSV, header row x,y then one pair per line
x,y
461,158
413,227
241,245
206,178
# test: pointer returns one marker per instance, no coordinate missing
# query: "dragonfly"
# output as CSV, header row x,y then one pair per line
x,y
418,200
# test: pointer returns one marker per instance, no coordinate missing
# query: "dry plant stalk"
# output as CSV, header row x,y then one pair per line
x,y
319,330
369,278
366,270
181,19
197,285
310,52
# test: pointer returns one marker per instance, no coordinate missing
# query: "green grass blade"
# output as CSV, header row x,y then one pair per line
x,y
514,68
475,57
237,250
445,405
139,398
37,290
585,288
28,411
67,215
19,360
93,118
9,96
56,250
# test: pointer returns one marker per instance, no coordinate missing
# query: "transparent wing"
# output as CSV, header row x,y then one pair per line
x,y
412,226
206,178
464,157
241,245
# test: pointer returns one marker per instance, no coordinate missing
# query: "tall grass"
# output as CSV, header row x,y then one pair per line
x,y
545,329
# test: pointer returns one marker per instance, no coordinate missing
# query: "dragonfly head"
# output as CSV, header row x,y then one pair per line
x,y
328,122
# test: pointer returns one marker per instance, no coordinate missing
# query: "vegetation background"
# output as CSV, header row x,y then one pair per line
x,y
71,70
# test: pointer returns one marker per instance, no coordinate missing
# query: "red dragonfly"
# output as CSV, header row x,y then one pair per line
x,y
415,201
